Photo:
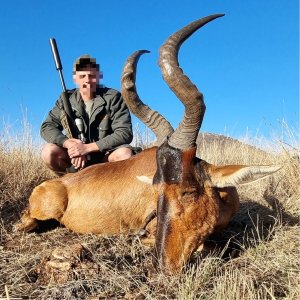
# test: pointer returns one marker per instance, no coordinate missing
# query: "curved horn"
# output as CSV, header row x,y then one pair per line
x,y
185,135
152,119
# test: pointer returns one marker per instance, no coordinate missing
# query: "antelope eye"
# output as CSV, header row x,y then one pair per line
x,y
189,192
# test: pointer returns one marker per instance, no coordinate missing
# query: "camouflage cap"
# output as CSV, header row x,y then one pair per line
x,y
85,61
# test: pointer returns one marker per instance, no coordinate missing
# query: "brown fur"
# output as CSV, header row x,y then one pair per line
x,y
190,208
105,198
109,199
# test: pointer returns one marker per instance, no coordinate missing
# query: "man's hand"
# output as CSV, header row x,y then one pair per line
x,y
70,142
77,151
76,148
79,162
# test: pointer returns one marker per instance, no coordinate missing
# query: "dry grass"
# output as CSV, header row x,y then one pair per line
x,y
256,257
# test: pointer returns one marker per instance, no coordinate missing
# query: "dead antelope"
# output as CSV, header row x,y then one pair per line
x,y
193,198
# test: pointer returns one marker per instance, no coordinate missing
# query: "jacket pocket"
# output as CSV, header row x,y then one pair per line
x,y
104,127
104,124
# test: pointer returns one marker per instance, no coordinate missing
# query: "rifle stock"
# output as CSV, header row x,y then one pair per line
x,y
66,119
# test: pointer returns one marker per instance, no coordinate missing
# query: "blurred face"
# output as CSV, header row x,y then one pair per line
x,y
87,81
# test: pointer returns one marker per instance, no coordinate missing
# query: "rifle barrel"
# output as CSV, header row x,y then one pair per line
x,y
62,80
57,62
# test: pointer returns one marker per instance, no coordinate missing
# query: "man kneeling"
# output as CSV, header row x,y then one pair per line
x,y
106,123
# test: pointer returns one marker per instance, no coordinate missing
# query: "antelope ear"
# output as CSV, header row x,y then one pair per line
x,y
234,175
145,179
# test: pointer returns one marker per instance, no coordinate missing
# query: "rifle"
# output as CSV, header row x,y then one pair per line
x,y
67,116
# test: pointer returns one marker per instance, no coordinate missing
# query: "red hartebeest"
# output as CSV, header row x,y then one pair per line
x,y
193,198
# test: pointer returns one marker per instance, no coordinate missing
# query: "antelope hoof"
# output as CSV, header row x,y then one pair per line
x,y
26,224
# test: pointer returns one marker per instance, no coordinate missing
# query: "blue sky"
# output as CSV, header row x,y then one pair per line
x,y
246,64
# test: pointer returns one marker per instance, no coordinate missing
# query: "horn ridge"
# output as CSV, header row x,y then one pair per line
x,y
185,135
152,119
